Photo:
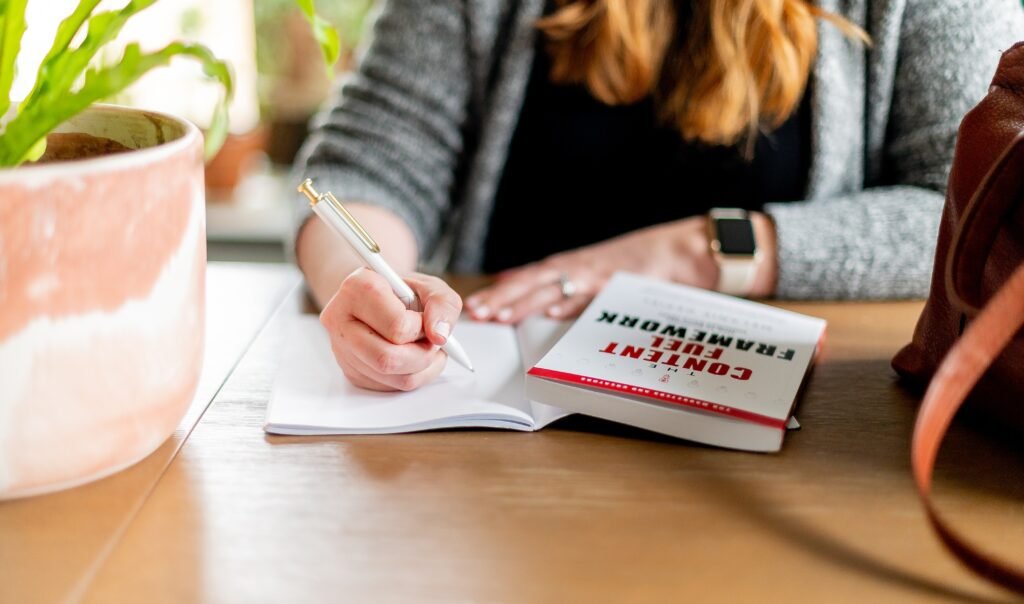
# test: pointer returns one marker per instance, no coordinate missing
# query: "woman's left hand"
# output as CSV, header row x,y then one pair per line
x,y
676,251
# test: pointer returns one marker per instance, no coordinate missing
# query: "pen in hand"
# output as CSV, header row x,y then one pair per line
x,y
329,209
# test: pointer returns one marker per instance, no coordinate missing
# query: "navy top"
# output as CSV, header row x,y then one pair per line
x,y
579,171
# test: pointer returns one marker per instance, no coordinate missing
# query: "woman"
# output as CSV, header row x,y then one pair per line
x,y
562,141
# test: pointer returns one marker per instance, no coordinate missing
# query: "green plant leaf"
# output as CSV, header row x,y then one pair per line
x,y
325,35
57,77
37,150
12,28
37,120
66,32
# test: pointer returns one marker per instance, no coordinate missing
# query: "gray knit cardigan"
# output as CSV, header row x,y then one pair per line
x,y
423,126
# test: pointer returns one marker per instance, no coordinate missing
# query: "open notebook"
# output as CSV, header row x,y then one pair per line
x,y
312,396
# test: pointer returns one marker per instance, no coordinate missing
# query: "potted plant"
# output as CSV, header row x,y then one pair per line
x,y
102,253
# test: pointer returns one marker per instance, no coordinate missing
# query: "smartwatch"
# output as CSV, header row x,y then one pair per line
x,y
734,249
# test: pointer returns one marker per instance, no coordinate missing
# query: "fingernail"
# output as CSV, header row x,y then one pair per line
x,y
443,329
505,314
554,311
472,302
481,313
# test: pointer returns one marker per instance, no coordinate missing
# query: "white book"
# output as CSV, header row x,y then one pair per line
x,y
734,370
682,361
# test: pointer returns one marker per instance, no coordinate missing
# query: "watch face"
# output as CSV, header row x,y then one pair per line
x,y
735,236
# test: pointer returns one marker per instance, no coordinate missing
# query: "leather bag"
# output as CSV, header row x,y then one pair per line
x,y
968,346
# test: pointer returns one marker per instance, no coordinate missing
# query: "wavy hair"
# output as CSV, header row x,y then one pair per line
x,y
738,66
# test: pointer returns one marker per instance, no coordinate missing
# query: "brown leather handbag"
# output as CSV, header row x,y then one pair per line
x,y
968,343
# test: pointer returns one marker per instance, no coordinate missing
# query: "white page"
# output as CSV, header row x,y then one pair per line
x,y
536,336
312,396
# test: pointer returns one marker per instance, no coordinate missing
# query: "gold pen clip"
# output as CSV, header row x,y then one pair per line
x,y
306,188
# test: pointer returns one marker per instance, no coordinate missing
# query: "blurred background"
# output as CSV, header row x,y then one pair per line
x,y
281,81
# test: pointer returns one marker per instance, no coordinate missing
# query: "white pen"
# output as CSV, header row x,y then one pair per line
x,y
330,210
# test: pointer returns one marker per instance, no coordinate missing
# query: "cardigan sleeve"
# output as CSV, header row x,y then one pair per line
x,y
393,135
879,242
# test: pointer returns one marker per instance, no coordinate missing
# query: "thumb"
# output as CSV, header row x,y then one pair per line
x,y
441,306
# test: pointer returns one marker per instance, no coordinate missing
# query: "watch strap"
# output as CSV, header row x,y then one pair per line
x,y
735,276
736,273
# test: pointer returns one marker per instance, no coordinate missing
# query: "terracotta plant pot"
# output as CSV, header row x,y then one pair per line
x,y
102,273
233,162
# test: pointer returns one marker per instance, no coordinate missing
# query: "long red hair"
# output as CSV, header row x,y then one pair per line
x,y
739,65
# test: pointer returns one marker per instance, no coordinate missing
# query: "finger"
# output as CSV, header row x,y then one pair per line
x,y
498,297
403,382
533,302
383,356
336,311
548,294
441,306
368,297
512,284
475,303
511,273
361,381
569,308
342,355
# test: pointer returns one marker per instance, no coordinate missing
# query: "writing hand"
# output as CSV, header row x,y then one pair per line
x,y
381,345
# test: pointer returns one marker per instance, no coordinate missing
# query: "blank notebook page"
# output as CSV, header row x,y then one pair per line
x,y
312,396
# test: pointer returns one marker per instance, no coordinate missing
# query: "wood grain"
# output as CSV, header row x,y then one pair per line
x,y
52,545
582,511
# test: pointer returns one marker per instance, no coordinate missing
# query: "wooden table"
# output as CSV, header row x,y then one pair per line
x,y
51,547
582,511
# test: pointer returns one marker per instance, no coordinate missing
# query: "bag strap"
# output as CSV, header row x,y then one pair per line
x,y
997,197
967,361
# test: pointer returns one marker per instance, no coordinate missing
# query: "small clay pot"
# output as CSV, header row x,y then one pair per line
x,y
235,159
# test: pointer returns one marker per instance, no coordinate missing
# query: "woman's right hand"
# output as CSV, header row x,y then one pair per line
x,y
381,345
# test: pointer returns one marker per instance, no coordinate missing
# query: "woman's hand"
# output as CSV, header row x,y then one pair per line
x,y
381,345
676,251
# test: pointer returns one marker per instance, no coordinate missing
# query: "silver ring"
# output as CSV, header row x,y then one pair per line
x,y
565,284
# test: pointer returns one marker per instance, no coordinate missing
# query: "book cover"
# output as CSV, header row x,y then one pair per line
x,y
681,346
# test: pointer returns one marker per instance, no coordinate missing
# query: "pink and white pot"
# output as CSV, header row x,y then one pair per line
x,y
102,272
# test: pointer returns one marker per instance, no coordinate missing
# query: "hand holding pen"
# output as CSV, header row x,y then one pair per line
x,y
379,337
